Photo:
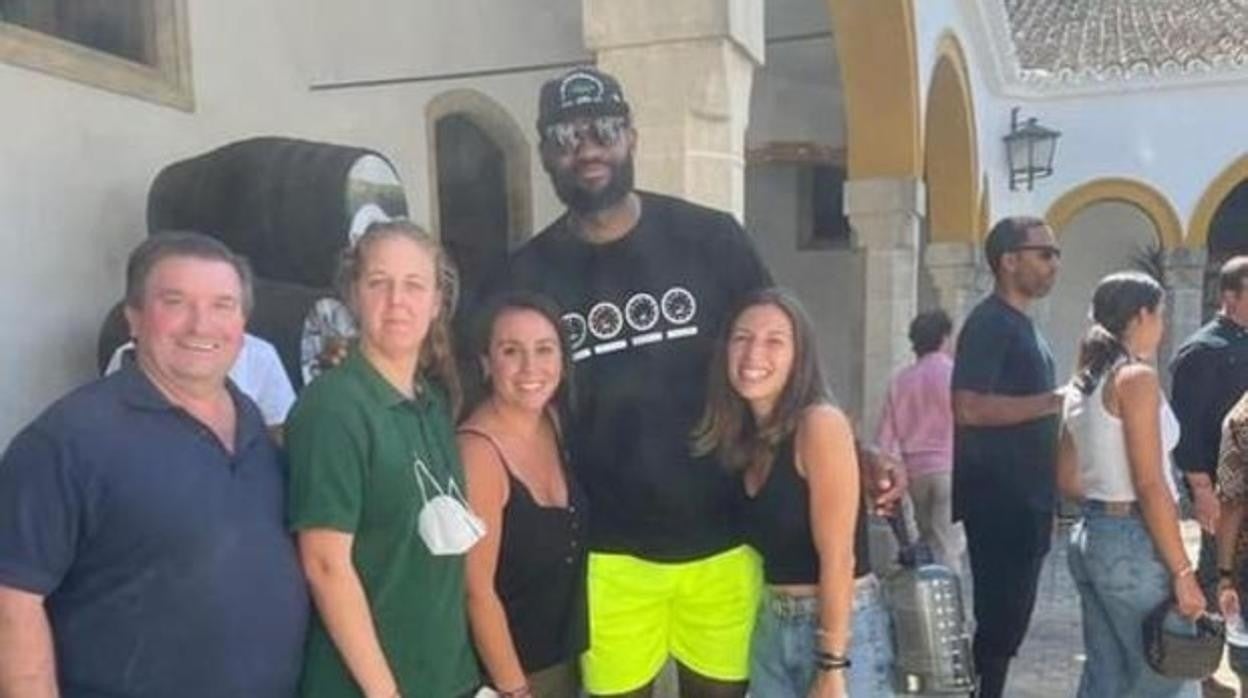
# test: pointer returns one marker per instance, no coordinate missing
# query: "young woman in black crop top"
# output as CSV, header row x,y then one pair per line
x,y
526,577
769,416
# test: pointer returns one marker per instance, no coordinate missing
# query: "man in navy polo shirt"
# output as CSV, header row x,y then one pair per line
x,y
143,552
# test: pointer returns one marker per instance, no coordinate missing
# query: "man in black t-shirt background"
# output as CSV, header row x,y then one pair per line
x,y
1006,412
1209,375
645,283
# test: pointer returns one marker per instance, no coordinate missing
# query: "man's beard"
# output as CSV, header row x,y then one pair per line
x,y
583,201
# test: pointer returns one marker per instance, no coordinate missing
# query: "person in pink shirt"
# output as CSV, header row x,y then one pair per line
x,y
916,429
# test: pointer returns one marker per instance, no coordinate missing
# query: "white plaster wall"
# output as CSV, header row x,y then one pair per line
x,y
376,39
78,161
1175,140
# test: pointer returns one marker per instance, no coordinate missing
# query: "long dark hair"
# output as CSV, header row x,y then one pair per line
x,y
727,427
437,354
483,333
1118,299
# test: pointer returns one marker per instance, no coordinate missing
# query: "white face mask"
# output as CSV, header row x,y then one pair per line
x,y
446,524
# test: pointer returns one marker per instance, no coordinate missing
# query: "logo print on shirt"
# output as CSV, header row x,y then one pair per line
x,y
679,306
605,320
575,328
642,312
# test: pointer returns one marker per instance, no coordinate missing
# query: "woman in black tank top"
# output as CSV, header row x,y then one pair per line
x,y
526,577
769,416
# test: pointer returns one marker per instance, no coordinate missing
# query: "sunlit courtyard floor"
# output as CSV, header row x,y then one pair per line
x,y
1051,658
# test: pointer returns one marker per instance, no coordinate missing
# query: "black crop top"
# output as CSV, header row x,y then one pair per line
x,y
777,525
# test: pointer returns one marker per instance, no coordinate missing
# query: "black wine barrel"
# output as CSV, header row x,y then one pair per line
x,y
285,204
278,318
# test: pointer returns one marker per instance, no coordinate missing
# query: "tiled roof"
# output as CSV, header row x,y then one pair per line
x,y
1078,41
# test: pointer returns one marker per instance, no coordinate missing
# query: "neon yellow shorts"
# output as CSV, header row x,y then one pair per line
x,y
701,612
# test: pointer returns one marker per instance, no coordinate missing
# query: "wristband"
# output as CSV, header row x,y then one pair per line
x,y
522,692
1184,571
826,661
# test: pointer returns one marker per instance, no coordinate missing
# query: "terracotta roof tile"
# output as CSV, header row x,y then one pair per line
x,y
1099,40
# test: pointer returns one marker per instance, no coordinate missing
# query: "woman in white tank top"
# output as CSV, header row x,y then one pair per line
x,y
1125,553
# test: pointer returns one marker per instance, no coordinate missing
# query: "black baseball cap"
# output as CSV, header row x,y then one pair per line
x,y
580,92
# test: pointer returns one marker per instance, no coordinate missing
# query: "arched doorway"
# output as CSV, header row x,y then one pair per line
x,y
1220,224
472,201
1104,226
1228,237
481,188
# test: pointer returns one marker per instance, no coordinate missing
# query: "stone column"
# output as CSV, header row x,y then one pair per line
x,y
960,274
687,69
1183,270
885,215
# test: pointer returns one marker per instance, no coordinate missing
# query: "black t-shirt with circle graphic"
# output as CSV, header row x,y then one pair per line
x,y
643,313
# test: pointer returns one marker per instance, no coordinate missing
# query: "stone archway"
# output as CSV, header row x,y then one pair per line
x,y
875,47
1228,237
1109,225
951,156
955,203
1217,191
1151,202
1217,227
502,130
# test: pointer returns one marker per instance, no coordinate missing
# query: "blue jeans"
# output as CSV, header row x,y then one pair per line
x,y
782,650
1120,580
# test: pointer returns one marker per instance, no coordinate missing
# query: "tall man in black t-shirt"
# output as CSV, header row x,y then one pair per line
x,y
645,282
1210,374
1005,442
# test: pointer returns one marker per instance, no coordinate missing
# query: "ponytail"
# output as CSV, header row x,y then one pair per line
x,y
1098,351
1117,300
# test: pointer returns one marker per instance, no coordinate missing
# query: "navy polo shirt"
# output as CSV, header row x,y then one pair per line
x,y
1001,352
163,558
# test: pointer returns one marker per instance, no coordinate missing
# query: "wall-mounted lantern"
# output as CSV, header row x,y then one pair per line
x,y
1029,150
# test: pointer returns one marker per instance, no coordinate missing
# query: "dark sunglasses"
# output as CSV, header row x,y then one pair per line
x,y
567,136
1046,252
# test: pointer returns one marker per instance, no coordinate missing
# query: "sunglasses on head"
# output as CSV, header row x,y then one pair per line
x,y
567,136
1046,252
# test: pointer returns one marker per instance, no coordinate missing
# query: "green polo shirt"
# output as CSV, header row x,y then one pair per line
x,y
352,440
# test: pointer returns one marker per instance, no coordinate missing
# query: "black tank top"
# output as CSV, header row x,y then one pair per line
x,y
540,577
777,525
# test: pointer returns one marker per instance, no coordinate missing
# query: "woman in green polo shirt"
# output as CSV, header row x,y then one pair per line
x,y
375,477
